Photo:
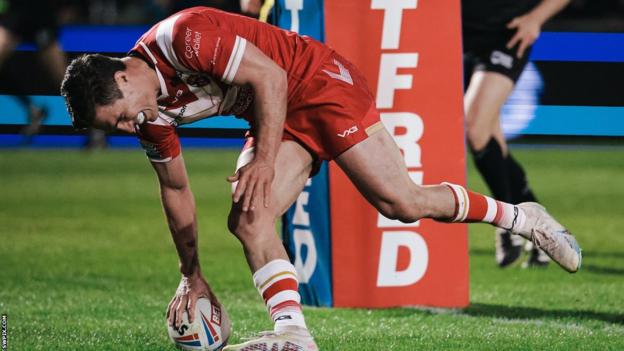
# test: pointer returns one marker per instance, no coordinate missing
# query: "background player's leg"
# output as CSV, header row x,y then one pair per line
x,y
8,43
483,101
274,276
484,98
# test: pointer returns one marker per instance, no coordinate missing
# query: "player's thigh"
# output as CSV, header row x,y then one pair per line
x,y
486,94
293,165
378,170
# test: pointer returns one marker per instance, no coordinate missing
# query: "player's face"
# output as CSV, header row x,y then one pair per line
x,y
137,106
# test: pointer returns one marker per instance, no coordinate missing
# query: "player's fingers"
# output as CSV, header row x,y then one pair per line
x,y
170,310
169,307
233,178
190,307
255,198
522,48
249,193
513,23
267,194
240,188
180,309
511,43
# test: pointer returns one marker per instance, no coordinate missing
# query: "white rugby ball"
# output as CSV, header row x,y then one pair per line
x,y
209,331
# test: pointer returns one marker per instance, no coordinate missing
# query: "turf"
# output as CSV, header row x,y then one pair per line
x,y
86,261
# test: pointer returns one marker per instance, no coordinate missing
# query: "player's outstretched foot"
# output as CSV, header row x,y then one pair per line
x,y
508,247
295,339
550,236
537,258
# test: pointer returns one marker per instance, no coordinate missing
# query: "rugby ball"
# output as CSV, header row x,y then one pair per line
x,y
209,331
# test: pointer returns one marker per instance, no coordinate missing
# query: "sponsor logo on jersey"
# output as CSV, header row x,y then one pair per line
x,y
178,119
192,43
216,51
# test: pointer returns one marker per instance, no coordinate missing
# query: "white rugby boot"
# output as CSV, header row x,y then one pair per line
x,y
550,236
294,339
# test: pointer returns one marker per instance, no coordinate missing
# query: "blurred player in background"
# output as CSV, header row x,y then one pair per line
x,y
32,21
305,103
497,37
37,22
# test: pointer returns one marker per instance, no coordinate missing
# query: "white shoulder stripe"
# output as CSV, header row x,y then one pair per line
x,y
235,59
164,39
161,80
149,53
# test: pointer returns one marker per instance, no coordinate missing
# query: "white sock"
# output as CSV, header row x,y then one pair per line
x,y
277,283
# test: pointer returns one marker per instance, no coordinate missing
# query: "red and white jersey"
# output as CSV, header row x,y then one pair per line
x,y
196,54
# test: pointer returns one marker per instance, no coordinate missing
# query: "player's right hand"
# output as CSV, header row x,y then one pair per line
x,y
528,29
189,291
254,183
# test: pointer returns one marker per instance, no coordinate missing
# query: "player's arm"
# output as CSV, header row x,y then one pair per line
x,y
179,206
529,25
270,88
226,55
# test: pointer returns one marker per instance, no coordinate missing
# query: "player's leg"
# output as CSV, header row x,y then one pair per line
x,y
55,61
509,246
273,274
483,101
376,167
8,43
484,98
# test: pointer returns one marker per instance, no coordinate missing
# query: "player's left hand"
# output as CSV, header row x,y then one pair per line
x,y
254,183
528,29
189,290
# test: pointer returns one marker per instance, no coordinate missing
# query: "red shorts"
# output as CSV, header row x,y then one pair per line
x,y
331,112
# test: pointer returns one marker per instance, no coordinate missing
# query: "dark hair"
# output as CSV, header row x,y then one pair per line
x,y
89,82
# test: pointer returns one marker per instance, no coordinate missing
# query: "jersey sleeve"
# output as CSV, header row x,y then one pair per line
x,y
160,142
201,45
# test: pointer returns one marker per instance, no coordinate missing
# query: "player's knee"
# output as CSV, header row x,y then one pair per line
x,y
478,132
238,226
246,226
478,137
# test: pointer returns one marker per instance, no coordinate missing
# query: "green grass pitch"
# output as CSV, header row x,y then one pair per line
x,y
86,261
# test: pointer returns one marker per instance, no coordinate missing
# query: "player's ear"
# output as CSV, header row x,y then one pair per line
x,y
121,77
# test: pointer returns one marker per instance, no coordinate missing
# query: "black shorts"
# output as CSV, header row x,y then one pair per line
x,y
488,52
